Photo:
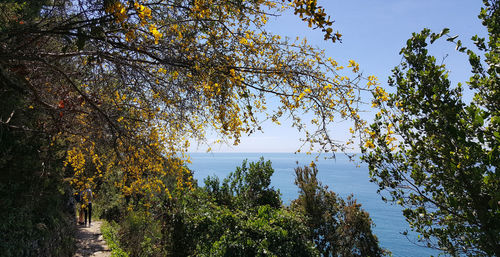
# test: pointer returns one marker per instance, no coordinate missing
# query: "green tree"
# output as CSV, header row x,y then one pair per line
x,y
237,221
201,227
248,186
438,155
254,222
337,227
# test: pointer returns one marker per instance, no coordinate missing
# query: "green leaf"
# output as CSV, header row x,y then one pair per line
x,y
434,37
495,120
478,119
486,179
451,39
443,32
459,44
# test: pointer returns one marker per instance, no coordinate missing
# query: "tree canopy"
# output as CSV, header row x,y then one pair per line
x,y
437,154
125,85
337,227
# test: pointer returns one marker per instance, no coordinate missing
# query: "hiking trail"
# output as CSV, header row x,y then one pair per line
x,y
90,241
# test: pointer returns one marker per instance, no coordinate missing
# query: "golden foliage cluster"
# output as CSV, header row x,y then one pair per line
x,y
129,84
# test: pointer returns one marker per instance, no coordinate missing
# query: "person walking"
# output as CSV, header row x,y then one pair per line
x,y
88,205
79,207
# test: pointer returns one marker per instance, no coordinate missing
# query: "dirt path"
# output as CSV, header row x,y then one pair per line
x,y
90,241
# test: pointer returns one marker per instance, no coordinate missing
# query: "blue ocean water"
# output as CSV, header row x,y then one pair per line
x,y
340,175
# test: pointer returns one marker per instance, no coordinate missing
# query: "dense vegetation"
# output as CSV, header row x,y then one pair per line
x,y
110,93
96,91
437,154
35,212
244,216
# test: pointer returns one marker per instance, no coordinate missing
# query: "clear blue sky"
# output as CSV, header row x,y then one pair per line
x,y
373,33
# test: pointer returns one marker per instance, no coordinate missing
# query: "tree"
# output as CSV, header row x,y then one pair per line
x,y
246,217
35,211
438,155
248,186
337,227
127,84
243,216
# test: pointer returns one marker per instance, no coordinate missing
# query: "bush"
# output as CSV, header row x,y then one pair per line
x,y
140,234
110,233
202,227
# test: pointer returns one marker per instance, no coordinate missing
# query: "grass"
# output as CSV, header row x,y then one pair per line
x,y
109,232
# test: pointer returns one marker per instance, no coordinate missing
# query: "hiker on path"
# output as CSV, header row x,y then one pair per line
x,y
87,200
79,206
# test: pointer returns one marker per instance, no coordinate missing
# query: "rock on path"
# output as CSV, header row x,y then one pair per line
x,y
90,241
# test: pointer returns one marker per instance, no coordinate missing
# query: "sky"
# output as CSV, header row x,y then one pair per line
x,y
373,32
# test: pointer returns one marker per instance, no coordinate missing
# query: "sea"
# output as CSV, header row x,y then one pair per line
x,y
341,175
